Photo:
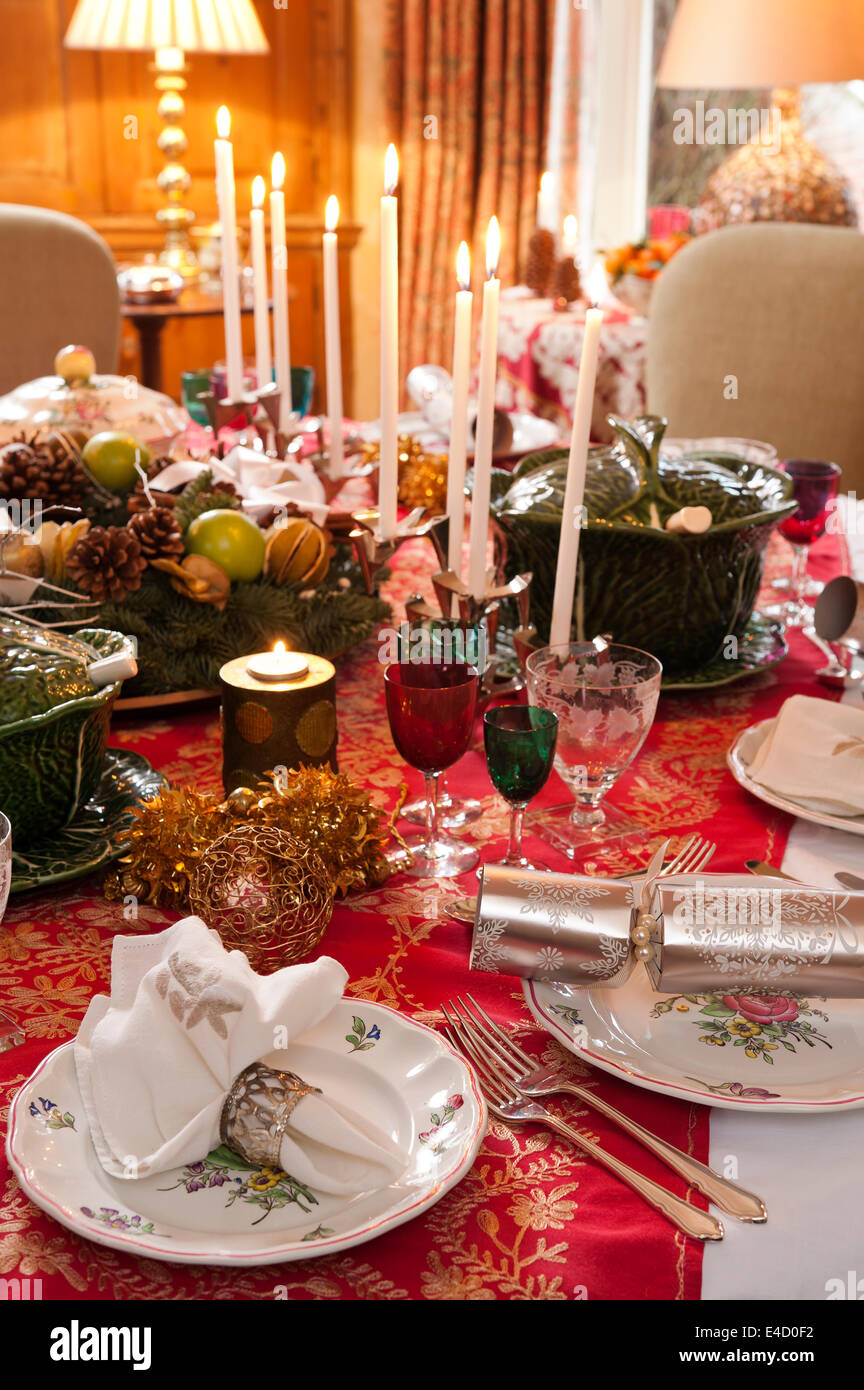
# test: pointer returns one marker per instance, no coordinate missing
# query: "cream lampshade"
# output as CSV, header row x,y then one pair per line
x,y
170,29
775,44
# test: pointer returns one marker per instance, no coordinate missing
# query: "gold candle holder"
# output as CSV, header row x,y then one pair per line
x,y
276,718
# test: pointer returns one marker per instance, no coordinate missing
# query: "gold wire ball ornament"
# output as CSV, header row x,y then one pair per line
x,y
265,893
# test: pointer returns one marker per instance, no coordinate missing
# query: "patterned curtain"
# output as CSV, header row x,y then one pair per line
x,y
466,99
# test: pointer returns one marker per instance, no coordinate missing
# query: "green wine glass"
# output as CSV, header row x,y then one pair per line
x,y
520,748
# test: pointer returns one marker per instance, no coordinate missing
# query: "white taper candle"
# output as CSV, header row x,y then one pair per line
x,y
574,493
332,335
263,360
279,253
226,197
483,432
389,382
459,418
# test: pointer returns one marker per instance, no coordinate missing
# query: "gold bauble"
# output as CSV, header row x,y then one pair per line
x,y
265,893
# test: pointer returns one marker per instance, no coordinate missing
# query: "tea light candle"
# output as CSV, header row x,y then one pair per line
x,y
278,665
278,710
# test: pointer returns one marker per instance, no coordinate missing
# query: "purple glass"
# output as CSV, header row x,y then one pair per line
x,y
814,488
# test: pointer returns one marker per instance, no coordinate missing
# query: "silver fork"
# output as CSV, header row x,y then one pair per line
x,y
500,1050
509,1104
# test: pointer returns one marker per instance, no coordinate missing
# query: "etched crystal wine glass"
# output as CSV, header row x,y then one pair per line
x,y
605,696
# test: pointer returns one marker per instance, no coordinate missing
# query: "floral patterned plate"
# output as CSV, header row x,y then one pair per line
x,y
222,1211
756,1051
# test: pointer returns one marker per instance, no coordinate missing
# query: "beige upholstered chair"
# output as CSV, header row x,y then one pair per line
x,y
58,285
759,331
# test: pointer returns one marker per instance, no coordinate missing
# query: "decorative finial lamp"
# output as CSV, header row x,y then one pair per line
x,y
170,29
777,44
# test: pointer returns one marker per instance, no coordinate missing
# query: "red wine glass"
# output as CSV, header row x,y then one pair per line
x,y
431,708
814,488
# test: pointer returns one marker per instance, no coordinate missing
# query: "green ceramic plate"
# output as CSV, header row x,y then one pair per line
x,y
88,841
761,647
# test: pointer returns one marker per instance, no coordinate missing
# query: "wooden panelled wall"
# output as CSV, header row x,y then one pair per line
x,y
64,143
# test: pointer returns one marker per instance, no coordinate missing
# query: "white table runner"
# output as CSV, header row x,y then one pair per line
x,y
809,1169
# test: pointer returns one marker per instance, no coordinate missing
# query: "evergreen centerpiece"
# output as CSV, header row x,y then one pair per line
x,y
185,571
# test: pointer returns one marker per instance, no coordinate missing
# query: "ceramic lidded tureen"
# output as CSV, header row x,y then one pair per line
x,y
53,724
674,594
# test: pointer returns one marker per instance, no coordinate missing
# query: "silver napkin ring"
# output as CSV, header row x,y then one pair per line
x,y
256,1112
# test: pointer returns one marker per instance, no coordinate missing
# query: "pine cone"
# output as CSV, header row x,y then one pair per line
x,y
106,563
567,283
160,535
540,262
20,471
138,501
43,466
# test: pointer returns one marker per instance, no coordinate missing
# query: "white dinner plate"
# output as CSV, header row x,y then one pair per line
x,y
741,755
530,432
221,1211
699,1046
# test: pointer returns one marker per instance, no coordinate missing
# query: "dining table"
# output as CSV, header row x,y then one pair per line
x,y
533,1218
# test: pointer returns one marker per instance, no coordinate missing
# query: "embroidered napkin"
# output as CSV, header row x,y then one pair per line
x,y
156,1060
814,753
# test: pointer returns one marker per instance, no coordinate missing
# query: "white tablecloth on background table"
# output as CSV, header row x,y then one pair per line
x,y
808,1168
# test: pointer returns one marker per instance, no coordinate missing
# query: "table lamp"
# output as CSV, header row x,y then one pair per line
x,y
775,44
170,29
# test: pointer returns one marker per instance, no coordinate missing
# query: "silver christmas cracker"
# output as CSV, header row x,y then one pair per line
x,y
692,933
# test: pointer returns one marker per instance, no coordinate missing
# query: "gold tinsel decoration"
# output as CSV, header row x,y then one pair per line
x,y
174,831
265,893
422,476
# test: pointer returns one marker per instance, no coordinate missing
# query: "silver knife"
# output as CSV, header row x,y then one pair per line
x,y
853,881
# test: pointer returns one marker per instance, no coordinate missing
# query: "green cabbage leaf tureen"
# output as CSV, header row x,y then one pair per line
x,y
678,596
53,724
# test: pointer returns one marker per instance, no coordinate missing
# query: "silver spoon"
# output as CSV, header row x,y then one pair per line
x,y
835,673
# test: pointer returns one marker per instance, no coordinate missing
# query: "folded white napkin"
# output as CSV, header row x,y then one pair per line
x,y
814,753
258,479
156,1061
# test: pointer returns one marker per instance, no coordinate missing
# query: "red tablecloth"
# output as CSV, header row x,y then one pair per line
x,y
532,1220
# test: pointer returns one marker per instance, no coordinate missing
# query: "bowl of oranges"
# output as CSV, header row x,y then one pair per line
x,y
633,268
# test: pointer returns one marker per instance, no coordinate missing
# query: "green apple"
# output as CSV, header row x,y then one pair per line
x,y
231,540
110,456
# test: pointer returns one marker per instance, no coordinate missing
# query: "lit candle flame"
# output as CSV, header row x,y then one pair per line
x,y
331,213
463,266
279,653
546,182
493,248
571,230
258,187
223,122
391,170
277,170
